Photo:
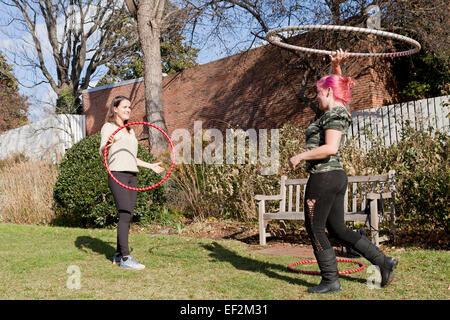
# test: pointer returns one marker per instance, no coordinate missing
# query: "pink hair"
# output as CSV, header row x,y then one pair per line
x,y
342,87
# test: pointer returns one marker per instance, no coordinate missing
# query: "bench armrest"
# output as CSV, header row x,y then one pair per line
x,y
260,197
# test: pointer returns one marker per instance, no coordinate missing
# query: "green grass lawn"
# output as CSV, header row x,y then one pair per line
x,y
35,260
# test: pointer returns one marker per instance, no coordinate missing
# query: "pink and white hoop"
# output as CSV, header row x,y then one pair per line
x,y
361,266
270,37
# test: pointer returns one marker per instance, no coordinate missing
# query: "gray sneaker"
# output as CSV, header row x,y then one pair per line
x,y
116,258
131,263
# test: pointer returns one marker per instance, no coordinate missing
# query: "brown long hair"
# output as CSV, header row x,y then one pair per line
x,y
110,116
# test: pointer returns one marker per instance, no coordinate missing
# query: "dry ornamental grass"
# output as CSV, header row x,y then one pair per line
x,y
26,192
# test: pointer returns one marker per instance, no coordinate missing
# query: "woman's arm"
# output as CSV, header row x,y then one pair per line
x,y
105,136
331,147
152,166
111,141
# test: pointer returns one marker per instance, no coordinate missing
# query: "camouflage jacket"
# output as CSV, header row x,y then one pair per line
x,y
338,119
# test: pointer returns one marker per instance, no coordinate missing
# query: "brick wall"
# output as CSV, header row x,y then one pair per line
x,y
256,89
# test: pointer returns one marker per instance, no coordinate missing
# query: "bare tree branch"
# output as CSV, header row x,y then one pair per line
x,y
71,26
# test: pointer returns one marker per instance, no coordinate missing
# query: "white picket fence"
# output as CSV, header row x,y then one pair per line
x,y
47,139
386,122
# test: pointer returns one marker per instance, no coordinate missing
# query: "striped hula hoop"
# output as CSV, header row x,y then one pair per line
x,y
361,266
271,33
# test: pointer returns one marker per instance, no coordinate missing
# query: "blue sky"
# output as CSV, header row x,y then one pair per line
x,y
13,44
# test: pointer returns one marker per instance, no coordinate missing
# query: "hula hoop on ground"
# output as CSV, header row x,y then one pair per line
x,y
105,153
361,266
271,33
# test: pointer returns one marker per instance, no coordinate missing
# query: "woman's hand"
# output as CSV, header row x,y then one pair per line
x,y
337,59
294,161
156,167
339,56
152,166
113,139
110,141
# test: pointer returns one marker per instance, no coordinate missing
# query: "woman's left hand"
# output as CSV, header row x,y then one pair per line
x,y
339,56
294,161
156,167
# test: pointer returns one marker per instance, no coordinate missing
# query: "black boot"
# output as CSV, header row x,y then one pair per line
x,y
327,262
376,257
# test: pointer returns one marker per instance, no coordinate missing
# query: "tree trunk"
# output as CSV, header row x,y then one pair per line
x,y
149,33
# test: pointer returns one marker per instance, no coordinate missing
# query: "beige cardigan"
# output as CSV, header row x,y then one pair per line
x,y
122,154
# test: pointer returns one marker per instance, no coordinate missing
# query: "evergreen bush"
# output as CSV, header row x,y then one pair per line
x,y
81,194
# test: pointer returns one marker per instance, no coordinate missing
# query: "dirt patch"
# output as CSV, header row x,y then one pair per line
x,y
301,251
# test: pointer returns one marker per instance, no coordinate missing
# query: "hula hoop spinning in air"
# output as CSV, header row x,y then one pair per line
x,y
271,38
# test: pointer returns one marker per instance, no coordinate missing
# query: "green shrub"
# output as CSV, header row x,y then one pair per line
x,y
420,160
81,193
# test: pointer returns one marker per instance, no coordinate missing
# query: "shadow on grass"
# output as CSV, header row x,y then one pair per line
x,y
271,270
96,245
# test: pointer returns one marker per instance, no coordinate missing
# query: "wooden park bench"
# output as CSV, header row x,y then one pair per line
x,y
364,190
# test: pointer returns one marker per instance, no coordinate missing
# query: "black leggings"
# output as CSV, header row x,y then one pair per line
x,y
125,201
324,206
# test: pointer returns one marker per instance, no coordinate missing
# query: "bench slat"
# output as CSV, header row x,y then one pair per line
x,y
283,194
284,216
363,196
260,197
296,181
354,198
359,217
304,194
290,198
368,178
297,198
346,200
384,195
379,178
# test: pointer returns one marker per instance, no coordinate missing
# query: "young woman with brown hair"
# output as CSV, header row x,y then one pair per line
x,y
123,163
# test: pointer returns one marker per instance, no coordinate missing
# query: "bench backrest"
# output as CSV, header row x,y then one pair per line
x,y
356,203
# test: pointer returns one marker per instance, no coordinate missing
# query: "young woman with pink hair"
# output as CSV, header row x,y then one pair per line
x,y
327,183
